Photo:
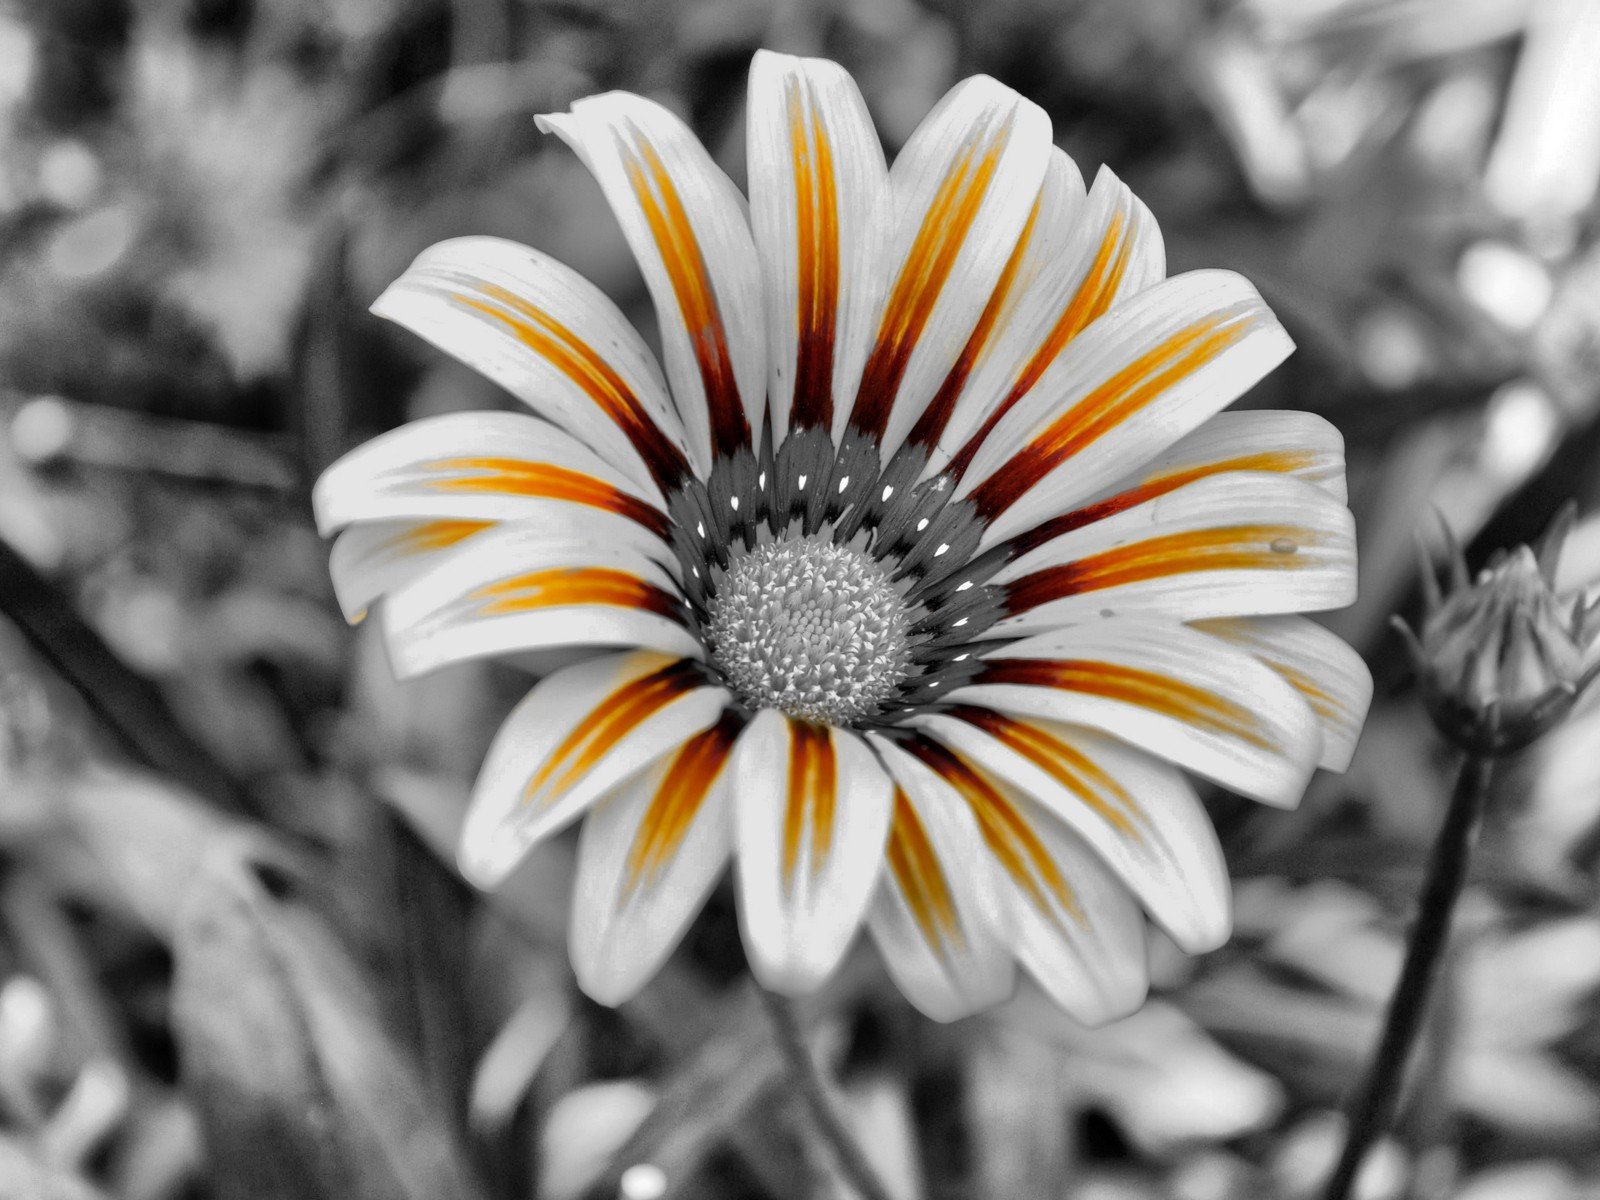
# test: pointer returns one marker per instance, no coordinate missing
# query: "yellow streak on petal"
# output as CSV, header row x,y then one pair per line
x,y
1124,394
623,711
914,864
1150,690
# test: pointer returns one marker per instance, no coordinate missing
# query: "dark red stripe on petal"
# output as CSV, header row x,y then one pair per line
x,y
817,251
927,268
691,286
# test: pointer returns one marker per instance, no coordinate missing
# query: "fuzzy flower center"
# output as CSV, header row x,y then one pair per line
x,y
809,627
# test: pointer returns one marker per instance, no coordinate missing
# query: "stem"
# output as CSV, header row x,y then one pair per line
x,y
813,1089
1372,1108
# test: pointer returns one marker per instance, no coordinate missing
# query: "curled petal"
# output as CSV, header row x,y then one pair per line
x,y
1319,665
375,558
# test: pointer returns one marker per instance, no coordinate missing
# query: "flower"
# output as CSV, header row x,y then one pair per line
x,y
1502,659
912,587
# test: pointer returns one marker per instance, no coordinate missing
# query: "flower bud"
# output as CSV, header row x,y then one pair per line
x,y
1500,660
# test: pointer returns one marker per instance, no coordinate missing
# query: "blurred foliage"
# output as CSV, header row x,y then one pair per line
x,y
234,960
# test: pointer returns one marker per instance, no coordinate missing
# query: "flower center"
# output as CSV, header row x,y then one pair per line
x,y
809,627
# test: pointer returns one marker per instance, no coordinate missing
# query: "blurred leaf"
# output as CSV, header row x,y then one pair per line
x,y
301,1092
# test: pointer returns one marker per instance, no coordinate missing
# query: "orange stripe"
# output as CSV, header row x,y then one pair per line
x,y
1323,703
576,359
927,268
817,255
813,784
623,711
1114,401
691,285
677,800
429,535
519,477
915,866
557,587
1281,461
1088,303
1225,548
1008,835
1066,764
930,424
1132,685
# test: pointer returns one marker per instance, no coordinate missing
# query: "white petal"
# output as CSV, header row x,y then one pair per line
x,y
1165,688
1138,379
1070,922
1097,251
550,338
649,854
686,224
1320,665
1287,441
963,188
938,909
475,466
375,558
1241,543
563,580
811,817
576,735
991,356
819,205
1139,814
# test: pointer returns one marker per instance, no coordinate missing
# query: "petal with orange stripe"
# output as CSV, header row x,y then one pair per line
x,y
553,340
819,205
686,224
1069,921
811,818
374,558
1240,543
1319,664
1161,686
579,733
478,466
1143,375
1046,235
938,912
650,852
1107,248
1140,815
1283,442
560,581
963,189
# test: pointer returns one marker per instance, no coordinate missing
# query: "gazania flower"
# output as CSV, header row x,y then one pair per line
x,y
912,583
